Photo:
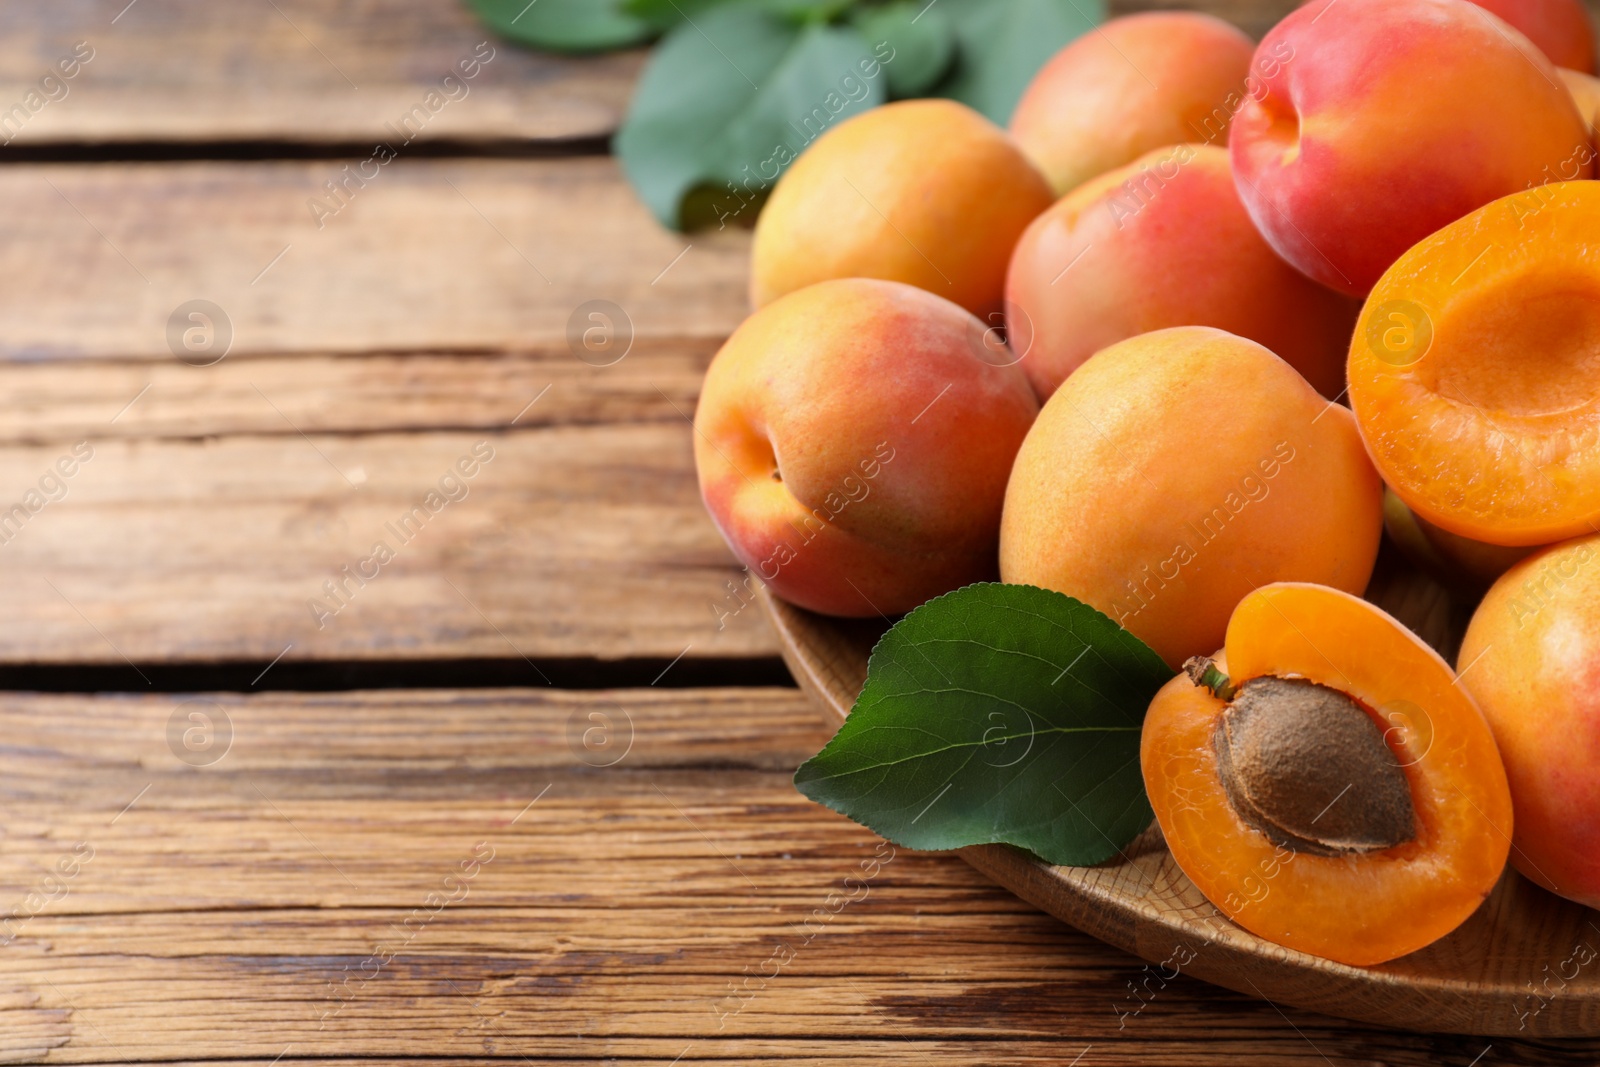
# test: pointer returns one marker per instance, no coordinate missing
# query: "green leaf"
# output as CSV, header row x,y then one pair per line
x,y
728,101
1001,44
997,713
922,41
665,14
564,25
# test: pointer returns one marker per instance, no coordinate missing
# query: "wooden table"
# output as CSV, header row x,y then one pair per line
x,y
524,795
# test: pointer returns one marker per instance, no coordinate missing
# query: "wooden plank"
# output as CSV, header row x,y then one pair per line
x,y
430,255
564,541
306,71
334,412
216,911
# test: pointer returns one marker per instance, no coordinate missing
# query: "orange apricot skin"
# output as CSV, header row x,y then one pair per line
x,y
1531,658
1176,471
1164,242
926,192
1136,84
1392,119
853,446
1585,89
1561,29
1473,374
1359,910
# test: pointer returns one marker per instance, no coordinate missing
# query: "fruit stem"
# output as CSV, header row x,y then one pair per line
x,y
1202,671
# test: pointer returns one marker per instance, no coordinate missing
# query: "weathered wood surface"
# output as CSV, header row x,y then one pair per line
x,y
363,364
216,911
430,255
299,71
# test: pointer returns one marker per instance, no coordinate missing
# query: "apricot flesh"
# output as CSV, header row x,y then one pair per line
x,y
853,444
1164,242
927,192
1352,907
1475,370
1139,83
1176,471
1531,658
1392,119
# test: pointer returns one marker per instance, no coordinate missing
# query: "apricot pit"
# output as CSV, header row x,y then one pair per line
x,y
1304,764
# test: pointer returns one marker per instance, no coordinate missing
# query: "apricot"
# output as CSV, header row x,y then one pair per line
x,y
1176,471
1454,560
1394,118
1475,370
1561,29
927,192
1139,83
853,445
1164,242
1531,658
1585,90
1325,783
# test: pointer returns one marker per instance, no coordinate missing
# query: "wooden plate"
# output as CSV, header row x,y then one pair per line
x,y
1526,964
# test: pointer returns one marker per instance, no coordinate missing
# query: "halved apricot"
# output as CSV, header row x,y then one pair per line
x,y
1342,796
1475,370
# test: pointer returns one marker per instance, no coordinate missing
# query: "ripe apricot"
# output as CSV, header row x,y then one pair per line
x,y
1475,370
1394,118
927,192
1531,658
1359,811
1561,29
1176,471
853,443
1585,90
1164,242
1139,83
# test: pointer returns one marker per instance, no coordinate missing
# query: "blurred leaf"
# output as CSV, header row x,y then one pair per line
x,y
1001,44
997,713
564,25
734,98
665,14
921,37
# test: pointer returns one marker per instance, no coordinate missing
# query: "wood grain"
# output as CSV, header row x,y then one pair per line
x,y
572,541
438,256
612,918
1497,974
298,71
364,363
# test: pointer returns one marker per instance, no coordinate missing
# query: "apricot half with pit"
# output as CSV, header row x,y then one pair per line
x,y
1325,783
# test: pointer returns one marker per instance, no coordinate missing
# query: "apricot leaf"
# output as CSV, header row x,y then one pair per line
x,y
1001,44
564,25
997,714
727,101
921,42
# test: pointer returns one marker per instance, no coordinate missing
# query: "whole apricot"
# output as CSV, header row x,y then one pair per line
x,y
1164,242
853,441
1585,89
1561,29
1475,370
927,192
1178,470
1531,658
1324,781
1138,83
1390,119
